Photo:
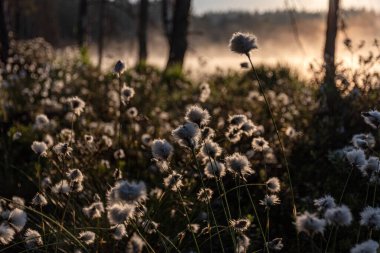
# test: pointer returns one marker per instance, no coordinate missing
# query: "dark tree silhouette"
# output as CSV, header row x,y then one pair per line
x,y
331,32
178,33
101,32
165,18
81,26
331,96
142,30
4,36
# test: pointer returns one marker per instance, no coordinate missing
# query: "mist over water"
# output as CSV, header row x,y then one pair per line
x,y
208,48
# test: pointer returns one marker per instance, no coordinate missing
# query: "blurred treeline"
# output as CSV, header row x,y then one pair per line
x,y
57,20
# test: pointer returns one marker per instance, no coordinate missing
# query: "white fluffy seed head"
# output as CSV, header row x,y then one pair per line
x,y
126,191
239,165
215,169
197,115
325,203
356,157
41,121
39,148
119,232
127,93
119,67
39,200
273,185
119,213
94,211
135,245
62,187
371,167
88,237
240,225
76,105
259,144
372,118
270,200
33,239
173,181
242,43
162,150
210,150
310,224
363,141
368,246
370,217
276,244
339,216
62,149
75,175
242,243
204,195
6,233
237,120
119,154
17,202
187,135
17,219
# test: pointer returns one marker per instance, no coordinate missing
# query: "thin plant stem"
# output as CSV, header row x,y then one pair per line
x,y
52,221
120,111
335,238
213,235
39,173
374,195
228,210
328,240
277,133
268,223
160,201
188,219
208,201
345,185
365,203
240,186
340,201
146,242
238,195
168,240
208,226
21,242
257,217
281,145
65,210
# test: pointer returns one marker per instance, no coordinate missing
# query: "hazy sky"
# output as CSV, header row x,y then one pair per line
x,y
201,6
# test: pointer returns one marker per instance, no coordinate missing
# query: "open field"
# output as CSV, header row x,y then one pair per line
x,y
271,152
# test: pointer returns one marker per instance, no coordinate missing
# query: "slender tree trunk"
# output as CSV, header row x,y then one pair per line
x,y
101,31
178,35
142,30
17,17
81,29
331,32
4,36
165,18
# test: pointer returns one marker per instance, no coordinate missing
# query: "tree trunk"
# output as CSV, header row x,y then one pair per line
x,y
142,30
165,18
81,29
4,36
101,31
331,32
178,35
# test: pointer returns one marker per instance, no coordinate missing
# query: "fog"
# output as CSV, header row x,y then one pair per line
x,y
208,41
